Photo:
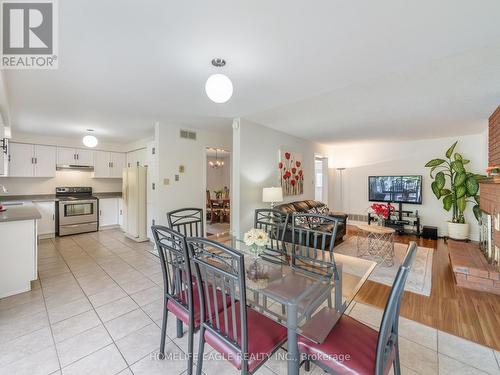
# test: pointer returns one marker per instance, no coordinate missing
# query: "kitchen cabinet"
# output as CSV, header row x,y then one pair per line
x,y
117,164
74,156
137,158
46,226
108,164
27,160
45,161
20,160
108,212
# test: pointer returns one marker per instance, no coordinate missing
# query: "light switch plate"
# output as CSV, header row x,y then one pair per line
x,y
166,181
181,169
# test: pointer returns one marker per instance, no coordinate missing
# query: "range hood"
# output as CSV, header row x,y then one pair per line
x,y
87,168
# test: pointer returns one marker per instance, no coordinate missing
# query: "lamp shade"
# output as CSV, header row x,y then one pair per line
x,y
272,194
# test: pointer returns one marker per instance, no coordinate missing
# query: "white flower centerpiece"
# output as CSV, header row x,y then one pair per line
x,y
256,240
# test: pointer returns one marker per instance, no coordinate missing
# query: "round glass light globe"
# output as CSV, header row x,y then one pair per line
x,y
90,141
219,88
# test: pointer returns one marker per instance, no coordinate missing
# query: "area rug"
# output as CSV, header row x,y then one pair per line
x,y
420,277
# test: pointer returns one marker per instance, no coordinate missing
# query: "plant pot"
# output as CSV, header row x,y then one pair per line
x,y
458,231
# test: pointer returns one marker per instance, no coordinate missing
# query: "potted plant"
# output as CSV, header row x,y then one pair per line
x,y
457,188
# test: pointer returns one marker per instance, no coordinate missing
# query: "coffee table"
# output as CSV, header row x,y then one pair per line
x,y
376,243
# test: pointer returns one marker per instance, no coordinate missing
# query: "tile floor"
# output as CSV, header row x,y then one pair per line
x,y
96,309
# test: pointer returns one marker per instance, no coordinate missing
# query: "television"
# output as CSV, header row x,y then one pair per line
x,y
397,189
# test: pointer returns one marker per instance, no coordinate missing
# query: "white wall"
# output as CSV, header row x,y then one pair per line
x,y
394,158
220,177
174,151
32,185
256,166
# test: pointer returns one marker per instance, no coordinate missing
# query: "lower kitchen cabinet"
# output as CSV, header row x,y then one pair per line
x,y
46,226
108,212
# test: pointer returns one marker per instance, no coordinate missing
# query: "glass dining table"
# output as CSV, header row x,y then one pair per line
x,y
299,296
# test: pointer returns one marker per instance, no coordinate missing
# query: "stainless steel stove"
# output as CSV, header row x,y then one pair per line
x,y
76,211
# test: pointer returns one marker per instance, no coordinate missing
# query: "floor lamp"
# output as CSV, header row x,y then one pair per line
x,y
341,182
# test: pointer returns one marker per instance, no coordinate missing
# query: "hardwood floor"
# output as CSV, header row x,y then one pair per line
x,y
462,312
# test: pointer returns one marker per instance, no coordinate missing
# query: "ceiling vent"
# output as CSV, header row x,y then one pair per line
x,y
187,134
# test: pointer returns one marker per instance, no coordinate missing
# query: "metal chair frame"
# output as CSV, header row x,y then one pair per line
x,y
223,269
388,338
187,221
177,282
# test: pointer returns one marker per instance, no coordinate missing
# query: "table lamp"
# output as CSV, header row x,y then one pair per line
x,y
272,195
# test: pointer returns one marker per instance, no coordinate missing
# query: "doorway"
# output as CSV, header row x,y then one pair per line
x,y
218,191
321,179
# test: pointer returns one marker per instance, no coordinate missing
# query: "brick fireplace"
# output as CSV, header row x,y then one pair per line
x,y
471,267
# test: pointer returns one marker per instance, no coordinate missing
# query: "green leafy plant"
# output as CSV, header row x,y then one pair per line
x,y
463,187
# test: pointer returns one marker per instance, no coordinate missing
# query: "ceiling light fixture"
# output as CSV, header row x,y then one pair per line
x,y
90,140
219,87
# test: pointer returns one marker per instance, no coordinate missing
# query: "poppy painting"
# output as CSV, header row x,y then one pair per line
x,y
291,172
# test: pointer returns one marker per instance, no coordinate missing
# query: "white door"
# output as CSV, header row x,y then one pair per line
x,y
66,156
132,202
21,160
45,161
46,225
118,160
108,212
120,212
84,157
102,164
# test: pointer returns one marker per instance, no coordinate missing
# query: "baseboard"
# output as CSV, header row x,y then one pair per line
x,y
46,236
107,227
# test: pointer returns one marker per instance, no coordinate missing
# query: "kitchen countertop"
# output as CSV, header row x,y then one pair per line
x,y
26,211
52,197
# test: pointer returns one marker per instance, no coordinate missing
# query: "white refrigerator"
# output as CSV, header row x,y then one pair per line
x,y
134,203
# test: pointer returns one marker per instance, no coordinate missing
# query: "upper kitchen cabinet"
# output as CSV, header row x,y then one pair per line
x,y
74,156
27,160
137,158
108,164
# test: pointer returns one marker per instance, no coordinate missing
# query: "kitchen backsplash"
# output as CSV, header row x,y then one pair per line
x,y
36,185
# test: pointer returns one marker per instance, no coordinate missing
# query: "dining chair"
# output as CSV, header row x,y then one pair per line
x,y
313,240
187,221
180,292
370,352
274,223
242,335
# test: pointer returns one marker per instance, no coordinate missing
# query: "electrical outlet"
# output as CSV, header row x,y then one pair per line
x,y
166,181
176,177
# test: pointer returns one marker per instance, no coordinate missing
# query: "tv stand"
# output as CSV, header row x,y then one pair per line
x,y
402,221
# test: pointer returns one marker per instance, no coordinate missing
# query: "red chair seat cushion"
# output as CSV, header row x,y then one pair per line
x,y
350,338
264,336
182,313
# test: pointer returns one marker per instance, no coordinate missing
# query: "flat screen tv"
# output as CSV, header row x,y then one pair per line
x,y
398,189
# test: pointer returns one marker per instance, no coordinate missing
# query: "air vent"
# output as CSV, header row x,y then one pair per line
x,y
357,217
187,134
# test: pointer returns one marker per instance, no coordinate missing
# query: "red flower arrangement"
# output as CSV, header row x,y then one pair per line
x,y
382,210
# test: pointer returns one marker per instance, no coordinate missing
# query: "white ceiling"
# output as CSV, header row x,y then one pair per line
x,y
327,70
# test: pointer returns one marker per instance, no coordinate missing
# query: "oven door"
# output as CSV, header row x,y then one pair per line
x,y
77,212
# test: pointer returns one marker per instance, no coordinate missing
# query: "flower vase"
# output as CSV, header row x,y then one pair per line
x,y
256,251
380,221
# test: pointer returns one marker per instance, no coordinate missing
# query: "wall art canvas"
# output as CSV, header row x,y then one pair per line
x,y
291,172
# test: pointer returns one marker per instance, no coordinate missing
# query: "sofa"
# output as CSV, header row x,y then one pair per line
x,y
311,206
